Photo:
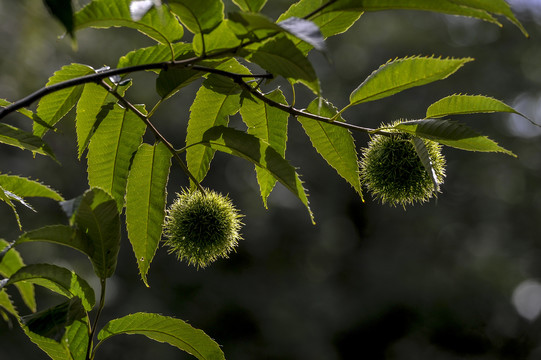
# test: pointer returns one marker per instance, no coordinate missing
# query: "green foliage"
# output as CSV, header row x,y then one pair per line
x,y
129,159
165,329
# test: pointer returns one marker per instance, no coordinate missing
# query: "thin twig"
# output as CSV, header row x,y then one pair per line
x,y
295,112
89,352
158,135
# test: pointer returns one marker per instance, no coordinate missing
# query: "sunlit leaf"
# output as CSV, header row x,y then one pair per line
x,y
258,152
215,101
452,134
53,107
111,149
269,124
334,143
154,54
161,26
11,135
25,187
7,305
165,329
467,104
145,202
402,74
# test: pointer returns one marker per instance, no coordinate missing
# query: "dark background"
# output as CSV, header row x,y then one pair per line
x,y
453,279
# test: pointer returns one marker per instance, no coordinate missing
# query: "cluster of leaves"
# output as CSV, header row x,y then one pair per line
x,y
126,173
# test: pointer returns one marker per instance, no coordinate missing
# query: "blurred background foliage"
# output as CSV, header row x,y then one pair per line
x,y
457,278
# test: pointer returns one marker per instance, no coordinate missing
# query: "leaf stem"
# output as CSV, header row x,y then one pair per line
x,y
158,135
89,352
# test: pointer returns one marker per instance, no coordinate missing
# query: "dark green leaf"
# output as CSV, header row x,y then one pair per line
x,y
402,74
335,144
63,11
452,134
111,149
280,56
165,329
145,202
258,152
29,114
57,279
98,218
270,125
52,323
161,25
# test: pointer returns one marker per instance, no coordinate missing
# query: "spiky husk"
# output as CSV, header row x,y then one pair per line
x,y
393,173
202,227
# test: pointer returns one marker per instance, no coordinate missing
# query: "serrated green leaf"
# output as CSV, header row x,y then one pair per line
x,y
145,202
53,107
258,152
280,56
7,305
481,9
199,16
424,156
335,144
110,151
98,218
59,350
161,26
330,21
165,329
269,124
60,235
250,5
11,135
402,74
452,134
63,11
91,110
467,104
28,113
10,262
25,187
155,54
215,101
57,279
